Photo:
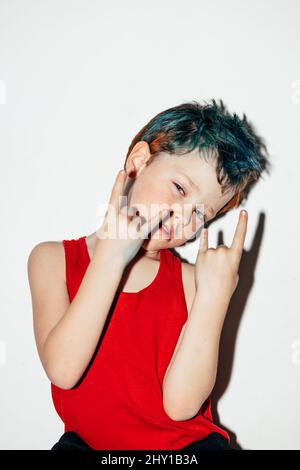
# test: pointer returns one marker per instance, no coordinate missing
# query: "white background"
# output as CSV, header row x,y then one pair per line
x,y
78,80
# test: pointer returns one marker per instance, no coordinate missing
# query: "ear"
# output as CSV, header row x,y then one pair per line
x,y
231,204
138,158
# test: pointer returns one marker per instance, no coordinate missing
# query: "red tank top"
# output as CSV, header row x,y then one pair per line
x,y
117,403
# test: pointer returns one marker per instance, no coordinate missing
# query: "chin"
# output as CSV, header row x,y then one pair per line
x,y
154,245
159,244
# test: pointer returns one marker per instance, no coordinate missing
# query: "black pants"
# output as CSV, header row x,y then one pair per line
x,y
214,441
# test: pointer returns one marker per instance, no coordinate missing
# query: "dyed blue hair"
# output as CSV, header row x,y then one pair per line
x,y
241,155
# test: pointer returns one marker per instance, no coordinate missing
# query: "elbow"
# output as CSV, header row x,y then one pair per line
x,y
178,411
175,416
60,378
61,381
59,372
63,384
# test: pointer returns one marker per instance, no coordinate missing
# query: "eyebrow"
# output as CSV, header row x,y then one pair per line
x,y
192,184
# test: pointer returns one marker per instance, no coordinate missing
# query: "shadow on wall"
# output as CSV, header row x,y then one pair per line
x,y
232,321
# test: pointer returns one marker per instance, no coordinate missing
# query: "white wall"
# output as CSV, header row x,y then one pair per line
x,y
78,79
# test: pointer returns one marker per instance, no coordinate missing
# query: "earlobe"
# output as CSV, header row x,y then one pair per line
x,y
136,170
135,167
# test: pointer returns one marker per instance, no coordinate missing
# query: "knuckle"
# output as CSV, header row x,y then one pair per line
x,y
237,254
222,250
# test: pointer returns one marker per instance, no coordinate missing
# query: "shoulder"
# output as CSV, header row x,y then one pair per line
x,y
49,293
188,280
49,250
46,256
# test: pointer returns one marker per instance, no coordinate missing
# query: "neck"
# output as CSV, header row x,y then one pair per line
x,y
153,254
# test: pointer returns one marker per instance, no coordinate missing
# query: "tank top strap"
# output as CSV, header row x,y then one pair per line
x,y
171,261
77,260
74,263
172,268
173,277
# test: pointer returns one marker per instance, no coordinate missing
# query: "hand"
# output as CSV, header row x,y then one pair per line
x,y
216,269
122,233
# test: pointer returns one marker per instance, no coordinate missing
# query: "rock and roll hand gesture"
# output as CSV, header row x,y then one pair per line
x,y
216,269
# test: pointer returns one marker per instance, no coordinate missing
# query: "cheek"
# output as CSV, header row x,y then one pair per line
x,y
147,199
185,232
196,223
147,194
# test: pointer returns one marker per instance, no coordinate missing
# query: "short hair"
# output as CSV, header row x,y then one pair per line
x,y
241,156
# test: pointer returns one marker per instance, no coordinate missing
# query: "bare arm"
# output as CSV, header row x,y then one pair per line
x,y
191,374
67,333
192,371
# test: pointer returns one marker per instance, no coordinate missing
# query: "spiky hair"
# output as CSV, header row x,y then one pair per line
x,y
241,156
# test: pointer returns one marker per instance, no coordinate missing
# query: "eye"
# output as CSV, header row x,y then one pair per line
x,y
178,186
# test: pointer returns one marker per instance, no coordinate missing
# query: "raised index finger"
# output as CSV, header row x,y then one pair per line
x,y
240,232
203,240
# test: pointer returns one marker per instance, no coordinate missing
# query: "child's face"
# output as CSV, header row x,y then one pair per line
x,y
165,180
